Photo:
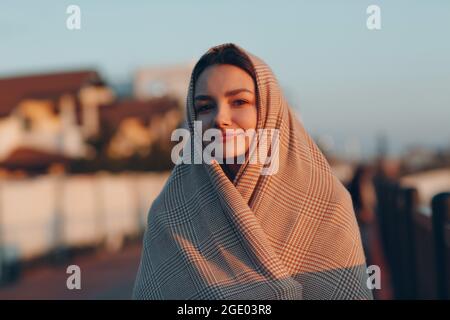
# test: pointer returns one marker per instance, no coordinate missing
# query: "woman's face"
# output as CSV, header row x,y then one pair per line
x,y
225,98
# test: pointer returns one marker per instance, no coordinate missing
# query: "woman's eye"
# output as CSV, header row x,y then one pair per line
x,y
204,108
239,102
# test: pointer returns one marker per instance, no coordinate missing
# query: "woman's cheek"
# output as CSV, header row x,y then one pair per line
x,y
246,118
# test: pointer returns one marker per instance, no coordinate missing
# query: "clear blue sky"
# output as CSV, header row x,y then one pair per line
x,y
344,80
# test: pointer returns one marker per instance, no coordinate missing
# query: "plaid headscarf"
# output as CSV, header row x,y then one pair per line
x,y
289,235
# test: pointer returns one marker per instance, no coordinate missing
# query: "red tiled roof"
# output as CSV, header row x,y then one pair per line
x,y
13,89
112,115
26,158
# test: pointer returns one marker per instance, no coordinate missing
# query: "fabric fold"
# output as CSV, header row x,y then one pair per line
x,y
288,235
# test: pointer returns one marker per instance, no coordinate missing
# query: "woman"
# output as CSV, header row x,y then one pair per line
x,y
239,231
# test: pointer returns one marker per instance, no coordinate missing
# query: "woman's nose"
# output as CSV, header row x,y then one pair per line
x,y
223,116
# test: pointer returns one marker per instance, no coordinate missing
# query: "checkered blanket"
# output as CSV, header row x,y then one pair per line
x,y
290,235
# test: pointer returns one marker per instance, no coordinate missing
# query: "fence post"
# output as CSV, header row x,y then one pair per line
x,y
2,256
59,251
441,224
394,258
408,203
9,267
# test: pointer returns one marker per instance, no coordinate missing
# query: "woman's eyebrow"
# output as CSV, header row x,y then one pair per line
x,y
227,94
236,91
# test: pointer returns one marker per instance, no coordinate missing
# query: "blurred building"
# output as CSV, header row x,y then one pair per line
x,y
50,113
158,81
419,158
55,117
133,126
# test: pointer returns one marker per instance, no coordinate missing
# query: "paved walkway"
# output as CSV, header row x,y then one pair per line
x,y
111,276
103,276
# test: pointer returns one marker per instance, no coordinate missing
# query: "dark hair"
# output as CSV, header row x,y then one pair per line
x,y
225,54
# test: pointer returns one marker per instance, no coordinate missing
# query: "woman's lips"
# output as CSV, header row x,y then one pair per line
x,y
230,135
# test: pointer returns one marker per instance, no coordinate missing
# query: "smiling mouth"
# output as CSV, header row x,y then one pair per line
x,y
228,136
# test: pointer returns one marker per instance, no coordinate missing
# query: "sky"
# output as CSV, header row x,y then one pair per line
x,y
345,81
